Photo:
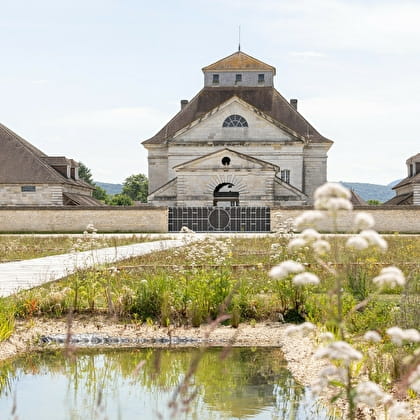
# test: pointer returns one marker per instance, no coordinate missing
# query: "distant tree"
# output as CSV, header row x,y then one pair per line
x,y
120,200
100,194
374,202
86,174
136,187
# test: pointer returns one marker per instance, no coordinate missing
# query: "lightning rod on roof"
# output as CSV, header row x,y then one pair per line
x,y
239,38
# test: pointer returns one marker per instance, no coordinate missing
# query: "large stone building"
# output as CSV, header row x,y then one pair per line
x,y
237,142
28,177
408,190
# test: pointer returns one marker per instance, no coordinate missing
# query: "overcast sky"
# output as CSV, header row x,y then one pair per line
x,y
91,79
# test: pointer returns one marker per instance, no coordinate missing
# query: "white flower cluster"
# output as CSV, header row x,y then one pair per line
x,y
363,221
390,277
301,329
371,394
332,197
283,227
338,350
399,410
310,237
365,239
292,267
308,219
414,380
90,228
398,335
326,336
186,229
326,376
372,336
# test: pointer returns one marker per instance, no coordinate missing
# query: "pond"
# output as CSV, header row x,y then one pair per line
x,y
141,383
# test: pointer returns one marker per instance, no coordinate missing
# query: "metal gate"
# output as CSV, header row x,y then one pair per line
x,y
218,219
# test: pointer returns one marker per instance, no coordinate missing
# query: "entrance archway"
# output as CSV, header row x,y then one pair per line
x,y
225,195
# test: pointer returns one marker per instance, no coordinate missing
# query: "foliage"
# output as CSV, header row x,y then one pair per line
x,y
120,200
136,187
85,174
100,194
374,202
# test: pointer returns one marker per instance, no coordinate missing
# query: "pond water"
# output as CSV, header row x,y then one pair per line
x,y
243,383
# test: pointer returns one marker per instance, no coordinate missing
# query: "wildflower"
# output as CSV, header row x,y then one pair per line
x,y
286,268
338,350
299,329
390,276
333,204
414,380
357,242
363,221
399,410
326,336
399,335
374,239
185,229
326,375
296,243
310,235
143,282
321,247
371,394
308,218
304,279
331,189
372,336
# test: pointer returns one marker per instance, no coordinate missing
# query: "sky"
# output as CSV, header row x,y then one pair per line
x,y
91,79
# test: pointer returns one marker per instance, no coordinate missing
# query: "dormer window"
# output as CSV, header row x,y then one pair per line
x,y
238,78
215,79
261,78
235,121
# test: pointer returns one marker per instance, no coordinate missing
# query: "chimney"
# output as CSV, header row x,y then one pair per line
x,y
293,102
184,102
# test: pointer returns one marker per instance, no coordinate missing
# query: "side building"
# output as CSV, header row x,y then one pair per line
x,y
408,190
237,142
28,177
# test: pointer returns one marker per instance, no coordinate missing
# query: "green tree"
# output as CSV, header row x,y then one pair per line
x,y
100,194
374,202
86,174
120,200
136,187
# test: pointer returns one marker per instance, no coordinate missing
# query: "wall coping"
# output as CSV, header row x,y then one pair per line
x,y
77,208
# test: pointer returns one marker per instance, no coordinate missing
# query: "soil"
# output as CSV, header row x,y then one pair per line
x,y
298,351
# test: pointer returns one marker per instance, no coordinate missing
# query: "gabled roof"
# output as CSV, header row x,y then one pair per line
x,y
239,61
402,199
409,180
356,200
21,162
222,152
265,99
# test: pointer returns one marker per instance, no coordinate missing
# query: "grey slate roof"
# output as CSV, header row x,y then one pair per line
x,y
21,162
265,99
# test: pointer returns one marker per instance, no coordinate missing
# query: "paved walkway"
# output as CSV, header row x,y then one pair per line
x,y
22,275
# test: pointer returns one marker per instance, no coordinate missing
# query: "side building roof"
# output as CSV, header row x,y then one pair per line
x,y
21,162
265,99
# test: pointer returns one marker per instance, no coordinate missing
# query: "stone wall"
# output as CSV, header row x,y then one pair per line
x,y
75,219
404,219
44,194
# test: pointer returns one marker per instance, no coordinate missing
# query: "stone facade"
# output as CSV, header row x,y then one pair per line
x,y
239,135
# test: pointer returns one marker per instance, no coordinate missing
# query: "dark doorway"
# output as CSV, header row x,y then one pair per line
x,y
225,195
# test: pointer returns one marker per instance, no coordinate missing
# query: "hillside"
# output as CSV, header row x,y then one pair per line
x,y
378,192
110,188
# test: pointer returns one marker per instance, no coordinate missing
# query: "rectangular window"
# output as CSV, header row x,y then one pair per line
x,y
285,175
215,79
238,78
261,78
28,188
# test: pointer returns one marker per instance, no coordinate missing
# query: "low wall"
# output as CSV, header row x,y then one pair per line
x,y
404,219
75,219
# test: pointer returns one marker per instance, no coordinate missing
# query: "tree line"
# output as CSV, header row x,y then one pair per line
x,y
135,188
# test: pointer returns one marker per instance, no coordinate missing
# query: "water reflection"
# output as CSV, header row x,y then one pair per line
x,y
140,383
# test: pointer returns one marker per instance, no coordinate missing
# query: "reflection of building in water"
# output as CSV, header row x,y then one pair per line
x,y
237,142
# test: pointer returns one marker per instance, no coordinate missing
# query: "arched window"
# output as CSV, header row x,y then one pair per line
x,y
235,121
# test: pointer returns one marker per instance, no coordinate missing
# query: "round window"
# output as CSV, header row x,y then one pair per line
x,y
226,161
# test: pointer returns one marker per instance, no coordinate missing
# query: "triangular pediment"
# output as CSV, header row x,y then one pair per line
x,y
226,160
260,126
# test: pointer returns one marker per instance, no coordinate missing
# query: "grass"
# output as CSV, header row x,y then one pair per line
x,y
23,247
190,286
